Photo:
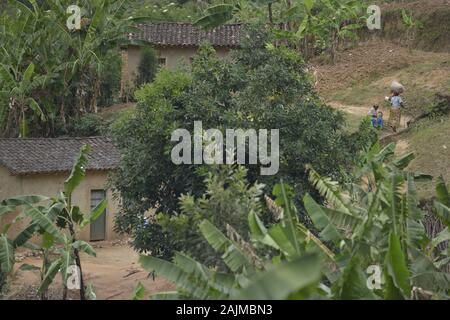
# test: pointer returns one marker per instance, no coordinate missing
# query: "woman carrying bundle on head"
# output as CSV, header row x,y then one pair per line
x,y
396,101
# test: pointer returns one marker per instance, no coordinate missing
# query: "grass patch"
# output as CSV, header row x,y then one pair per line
x,y
352,122
422,81
430,142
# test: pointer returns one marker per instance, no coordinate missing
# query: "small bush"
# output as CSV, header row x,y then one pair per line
x,y
110,77
439,108
90,124
148,66
227,201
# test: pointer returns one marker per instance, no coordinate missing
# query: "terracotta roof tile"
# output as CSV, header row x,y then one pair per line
x,y
42,155
186,34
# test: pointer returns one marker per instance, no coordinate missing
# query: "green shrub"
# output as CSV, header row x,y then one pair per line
x,y
260,87
440,108
110,76
90,124
226,203
148,66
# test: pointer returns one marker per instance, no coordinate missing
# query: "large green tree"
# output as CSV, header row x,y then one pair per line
x,y
260,87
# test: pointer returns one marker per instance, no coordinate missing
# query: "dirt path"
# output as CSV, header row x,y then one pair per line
x,y
361,112
355,110
114,274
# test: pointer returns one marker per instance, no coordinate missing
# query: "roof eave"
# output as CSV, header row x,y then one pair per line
x,y
36,173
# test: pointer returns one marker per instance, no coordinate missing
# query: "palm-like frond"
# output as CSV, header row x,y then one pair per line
x,y
78,171
352,284
397,277
426,275
6,254
191,278
328,231
442,212
49,276
233,256
43,221
330,190
442,192
216,15
284,279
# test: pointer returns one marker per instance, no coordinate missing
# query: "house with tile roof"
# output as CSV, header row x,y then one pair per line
x,y
174,43
39,166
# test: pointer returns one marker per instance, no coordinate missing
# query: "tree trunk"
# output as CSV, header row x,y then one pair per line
x,y
333,47
80,100
62,112
288,5
11,121
44,295
95,95
78,263
270,13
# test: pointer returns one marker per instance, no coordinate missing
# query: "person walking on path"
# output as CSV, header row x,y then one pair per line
x,y
395,112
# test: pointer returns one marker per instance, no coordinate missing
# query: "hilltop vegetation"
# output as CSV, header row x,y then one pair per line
x,y
345,200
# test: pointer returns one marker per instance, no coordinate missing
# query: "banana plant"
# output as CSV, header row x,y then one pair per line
x,y
106,28
249,277
340,20
17,88
375,221
7,244
379,223
292,269
306,26
39,57
57,220
412,25
217,15
220,14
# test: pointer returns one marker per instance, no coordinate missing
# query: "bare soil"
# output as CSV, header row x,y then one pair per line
x,y
417,6
373,60
362,77
114,274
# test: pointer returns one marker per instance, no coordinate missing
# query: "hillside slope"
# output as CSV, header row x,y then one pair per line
x,y
432,15
362,77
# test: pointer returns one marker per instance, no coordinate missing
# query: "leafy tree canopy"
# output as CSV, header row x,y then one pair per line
x,y
260,87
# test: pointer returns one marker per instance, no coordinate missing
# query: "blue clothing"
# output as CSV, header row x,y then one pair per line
x,y
378,122
396,102
374,122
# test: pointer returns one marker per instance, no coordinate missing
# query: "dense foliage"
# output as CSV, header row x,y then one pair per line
x,y
48,74
226,203
260,87
371,243
311,26
148,66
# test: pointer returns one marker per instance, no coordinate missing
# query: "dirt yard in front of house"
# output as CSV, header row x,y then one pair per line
x,y
114,274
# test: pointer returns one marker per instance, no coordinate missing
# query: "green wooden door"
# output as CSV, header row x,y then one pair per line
x,y
98,227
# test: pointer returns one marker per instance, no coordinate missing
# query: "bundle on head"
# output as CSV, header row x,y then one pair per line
x,y
397,87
